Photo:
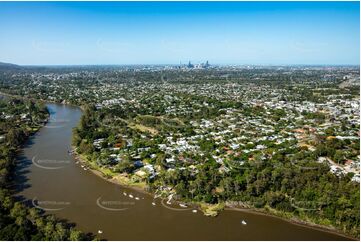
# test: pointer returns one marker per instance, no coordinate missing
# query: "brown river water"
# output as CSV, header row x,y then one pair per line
x,y
48,177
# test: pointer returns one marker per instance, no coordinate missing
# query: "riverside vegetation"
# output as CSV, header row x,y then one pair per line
x,y
283,140
18,120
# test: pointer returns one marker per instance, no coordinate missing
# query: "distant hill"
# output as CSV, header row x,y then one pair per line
x,y
8,66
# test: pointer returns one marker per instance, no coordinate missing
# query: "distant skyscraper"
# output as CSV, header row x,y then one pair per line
x,y
207,64
190,65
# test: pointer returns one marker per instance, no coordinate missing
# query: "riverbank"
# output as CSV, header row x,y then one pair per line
x,y
32,129
122,181
40,100
106,174
293,220
211,210
34,223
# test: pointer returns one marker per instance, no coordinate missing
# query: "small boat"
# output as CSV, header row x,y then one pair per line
x,y
82,166
183,205
136,198
244,222
85,169
169,199
130,195
153,203
100,231
124,193
194,211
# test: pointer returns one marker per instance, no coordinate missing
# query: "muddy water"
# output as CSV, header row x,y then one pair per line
x,y
48,177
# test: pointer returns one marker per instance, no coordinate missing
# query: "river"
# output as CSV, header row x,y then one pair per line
x,y
47,176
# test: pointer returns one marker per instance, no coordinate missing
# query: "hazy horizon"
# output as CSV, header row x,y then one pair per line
x,y
172,64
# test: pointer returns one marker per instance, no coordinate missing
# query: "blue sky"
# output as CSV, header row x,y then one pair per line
x,y
53,33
